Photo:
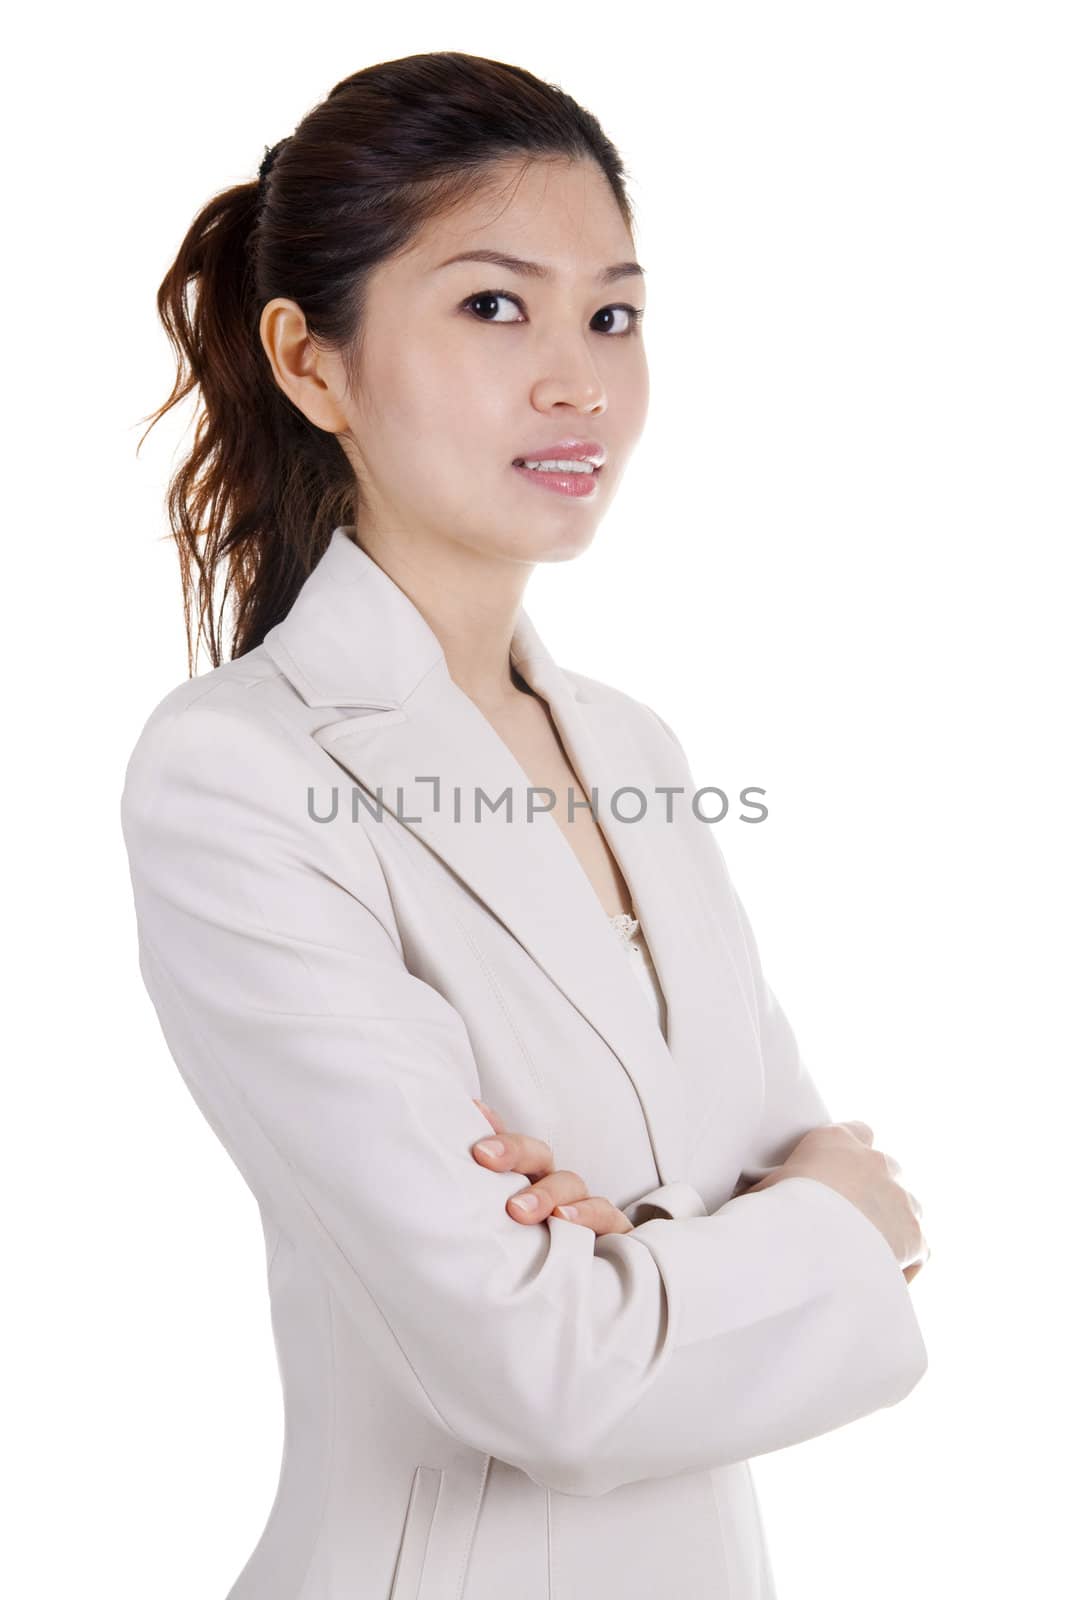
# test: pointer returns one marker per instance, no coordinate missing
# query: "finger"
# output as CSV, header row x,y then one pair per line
x,y
494,1118
596,1213
515,1152
766,1182
862,1130
917,1266
556,1188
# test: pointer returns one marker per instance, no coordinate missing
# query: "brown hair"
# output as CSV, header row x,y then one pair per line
x,y
390,148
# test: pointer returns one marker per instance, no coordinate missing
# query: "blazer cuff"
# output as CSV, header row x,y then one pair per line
x,y
675,1200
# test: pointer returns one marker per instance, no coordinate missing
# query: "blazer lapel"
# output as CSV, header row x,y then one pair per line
x,y
410,736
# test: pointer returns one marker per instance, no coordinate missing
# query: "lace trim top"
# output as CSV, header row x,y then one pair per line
x,y
630,934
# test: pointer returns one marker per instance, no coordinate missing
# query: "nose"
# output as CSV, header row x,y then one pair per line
x,y
574,381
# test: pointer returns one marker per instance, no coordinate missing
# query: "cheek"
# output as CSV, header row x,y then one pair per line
x,y
442,444
444,395
634,396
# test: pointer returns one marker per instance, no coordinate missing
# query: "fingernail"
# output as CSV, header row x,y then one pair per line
x,y
490,1147
525,1202
568,1211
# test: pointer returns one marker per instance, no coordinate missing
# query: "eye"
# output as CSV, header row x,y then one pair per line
x,y
613,311
492,299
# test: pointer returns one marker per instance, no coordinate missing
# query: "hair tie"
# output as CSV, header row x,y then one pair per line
x,y
270,155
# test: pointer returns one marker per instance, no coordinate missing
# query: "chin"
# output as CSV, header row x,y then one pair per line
x,y
565,549
529,544
561,543
534,551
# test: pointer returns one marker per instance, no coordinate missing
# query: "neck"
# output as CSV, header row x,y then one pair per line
x,y
470,602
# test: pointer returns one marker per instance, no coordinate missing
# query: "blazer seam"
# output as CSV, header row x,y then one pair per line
x,y
330,1454
472,1529
214,685
549,1552
727,1559
417,685
274,1248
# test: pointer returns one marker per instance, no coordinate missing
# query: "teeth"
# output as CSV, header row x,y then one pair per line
x,y
559,466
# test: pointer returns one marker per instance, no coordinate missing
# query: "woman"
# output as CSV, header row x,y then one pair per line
x,y
372,943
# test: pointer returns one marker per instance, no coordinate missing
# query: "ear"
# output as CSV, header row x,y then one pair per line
x,y
312,378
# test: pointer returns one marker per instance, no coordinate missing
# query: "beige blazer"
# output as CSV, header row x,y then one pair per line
x,y
477,1408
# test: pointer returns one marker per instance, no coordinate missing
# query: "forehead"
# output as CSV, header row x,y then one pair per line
x,y
559,213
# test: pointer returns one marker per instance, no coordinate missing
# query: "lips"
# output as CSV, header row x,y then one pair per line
x,y
567,450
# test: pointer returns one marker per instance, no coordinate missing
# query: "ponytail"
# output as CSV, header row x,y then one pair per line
x,y
260,482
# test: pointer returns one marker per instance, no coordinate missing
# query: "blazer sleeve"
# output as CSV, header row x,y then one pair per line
x,y
342,1086
668,1200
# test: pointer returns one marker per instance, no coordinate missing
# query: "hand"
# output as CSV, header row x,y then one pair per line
x,y
552,1190
842,1155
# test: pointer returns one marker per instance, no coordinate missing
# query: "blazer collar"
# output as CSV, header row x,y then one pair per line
x,y
354,641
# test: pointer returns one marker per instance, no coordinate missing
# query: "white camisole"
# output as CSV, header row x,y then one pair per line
x,y
629,931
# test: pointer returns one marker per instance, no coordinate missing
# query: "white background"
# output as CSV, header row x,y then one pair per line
x,y
849,505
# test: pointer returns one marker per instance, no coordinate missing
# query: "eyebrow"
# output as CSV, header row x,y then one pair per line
x,y
535,269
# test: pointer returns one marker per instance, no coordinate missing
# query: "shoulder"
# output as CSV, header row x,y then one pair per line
x,y
237,719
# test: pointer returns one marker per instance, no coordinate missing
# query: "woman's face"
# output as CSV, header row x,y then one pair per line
x,y
467,365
